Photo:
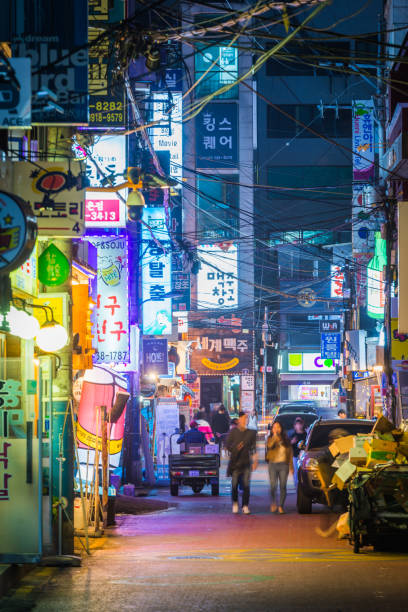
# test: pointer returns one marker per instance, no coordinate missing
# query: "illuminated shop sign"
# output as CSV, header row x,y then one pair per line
x,y
169,136
107,158
156,273
111,324
363,140
217,136
155,359
217,278
336,282
55,193
376,279
310,362
104,210
107,96
221,352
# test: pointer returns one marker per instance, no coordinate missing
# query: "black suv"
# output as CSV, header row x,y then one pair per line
x,y
316,452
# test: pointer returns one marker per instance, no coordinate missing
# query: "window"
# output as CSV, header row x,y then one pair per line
x,y
332,124
288,63
225,70
218,203
308,59
321,183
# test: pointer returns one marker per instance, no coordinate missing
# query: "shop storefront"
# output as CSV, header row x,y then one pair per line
x,y
224,361
366,394
306,376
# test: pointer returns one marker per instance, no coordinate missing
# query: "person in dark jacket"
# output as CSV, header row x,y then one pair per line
x,y
192,436
298,434
220,424
241,443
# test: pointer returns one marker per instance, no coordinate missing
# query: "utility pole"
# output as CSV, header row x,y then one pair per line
x,y
389,211
265,362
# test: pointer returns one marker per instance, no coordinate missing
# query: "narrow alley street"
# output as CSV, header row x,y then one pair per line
x,y
198,556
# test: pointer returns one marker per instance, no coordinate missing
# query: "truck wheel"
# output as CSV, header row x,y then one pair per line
x,y
303,503
197,487
215,489
174,489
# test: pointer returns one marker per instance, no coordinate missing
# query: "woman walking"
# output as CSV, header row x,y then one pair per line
x,y
279,457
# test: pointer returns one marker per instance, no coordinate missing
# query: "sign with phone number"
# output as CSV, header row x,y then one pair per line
x,y
111,322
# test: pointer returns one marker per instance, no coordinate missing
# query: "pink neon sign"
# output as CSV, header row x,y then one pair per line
x,y
102,211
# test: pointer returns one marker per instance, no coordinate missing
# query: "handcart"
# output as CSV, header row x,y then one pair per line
x,y
197,465
378,507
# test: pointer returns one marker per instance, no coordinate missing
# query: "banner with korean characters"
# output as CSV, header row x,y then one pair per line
x,y
156,273
25,278
55,192
221,352
363,140
111,318
217,136
217,279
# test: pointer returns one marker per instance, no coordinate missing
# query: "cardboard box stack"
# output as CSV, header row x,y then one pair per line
x,y
384,445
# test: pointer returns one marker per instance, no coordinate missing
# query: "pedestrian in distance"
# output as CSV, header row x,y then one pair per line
x,y
203,424
220,425
341,414
297,435
252,420
241,443
279,457
192,436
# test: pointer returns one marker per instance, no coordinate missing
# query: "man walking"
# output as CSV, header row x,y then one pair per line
x,y
241,443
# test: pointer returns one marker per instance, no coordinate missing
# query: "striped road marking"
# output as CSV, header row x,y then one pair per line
x,y
287,555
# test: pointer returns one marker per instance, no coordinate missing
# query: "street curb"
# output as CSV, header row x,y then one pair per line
x,y
11,574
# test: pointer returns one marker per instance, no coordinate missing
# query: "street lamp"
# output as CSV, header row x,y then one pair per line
x,y
51,337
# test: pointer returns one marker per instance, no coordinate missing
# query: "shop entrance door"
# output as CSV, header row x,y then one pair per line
x,y
20,454
211,390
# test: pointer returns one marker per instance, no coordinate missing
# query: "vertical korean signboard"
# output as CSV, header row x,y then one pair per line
x,y
156,273
155,356
217,278
46,32
106,101
217,136
111,324
363,174
168,109
107,159
363,140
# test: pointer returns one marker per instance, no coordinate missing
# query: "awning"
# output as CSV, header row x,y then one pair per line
x,y
308,379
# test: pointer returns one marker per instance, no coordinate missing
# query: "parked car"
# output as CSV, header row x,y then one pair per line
x,y
298,407
315,453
